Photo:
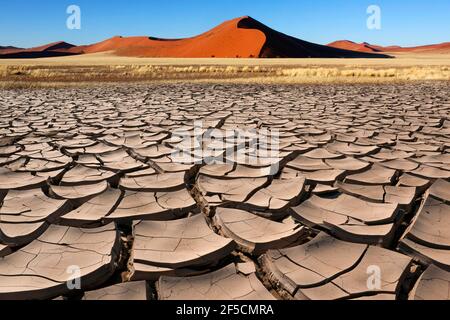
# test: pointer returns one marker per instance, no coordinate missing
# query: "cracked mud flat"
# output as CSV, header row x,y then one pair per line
x,y
111,188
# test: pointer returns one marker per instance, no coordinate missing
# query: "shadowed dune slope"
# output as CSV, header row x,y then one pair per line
x,y
283,46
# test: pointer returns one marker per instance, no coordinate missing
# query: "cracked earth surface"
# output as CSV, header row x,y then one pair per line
x,y
109,192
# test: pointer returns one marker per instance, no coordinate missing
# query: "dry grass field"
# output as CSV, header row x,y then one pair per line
x,y
105,67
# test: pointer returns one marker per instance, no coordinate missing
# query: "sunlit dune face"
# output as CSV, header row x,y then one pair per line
x,y
224,41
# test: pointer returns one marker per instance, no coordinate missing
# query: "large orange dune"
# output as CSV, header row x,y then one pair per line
x,y
224,41
367,47
238,38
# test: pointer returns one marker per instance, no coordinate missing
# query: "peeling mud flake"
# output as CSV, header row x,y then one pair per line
x,y
48,266
224,284
133,291
433,284
329,269
180,244
255,234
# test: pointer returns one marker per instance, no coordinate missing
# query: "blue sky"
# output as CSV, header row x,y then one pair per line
x,y
404,22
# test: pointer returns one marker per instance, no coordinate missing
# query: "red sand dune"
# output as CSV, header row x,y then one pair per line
x,y
55,46
224,41
366,47
242,37
350,45
9,49
54,49
435,48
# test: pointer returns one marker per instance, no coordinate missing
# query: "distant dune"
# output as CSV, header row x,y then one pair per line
x,y
238,38
366,47
9,49
350,45
55,49
56,46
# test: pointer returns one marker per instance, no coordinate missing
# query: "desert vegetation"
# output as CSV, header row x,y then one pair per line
x,y
49,75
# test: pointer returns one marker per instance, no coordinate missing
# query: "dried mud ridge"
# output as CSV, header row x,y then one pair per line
x,y
97,204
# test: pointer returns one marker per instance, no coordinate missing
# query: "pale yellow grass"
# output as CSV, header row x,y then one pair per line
x,y
98,68
108,59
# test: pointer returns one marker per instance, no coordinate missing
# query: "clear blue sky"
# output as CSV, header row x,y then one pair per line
x,y
404,22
